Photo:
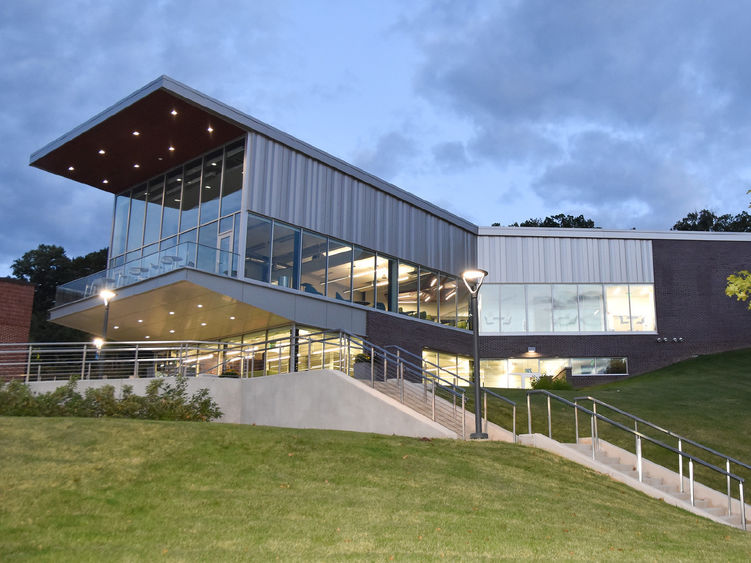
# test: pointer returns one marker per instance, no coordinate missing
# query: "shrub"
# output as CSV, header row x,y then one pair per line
x,y
547,382
161,402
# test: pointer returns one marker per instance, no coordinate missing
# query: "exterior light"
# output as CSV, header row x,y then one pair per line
x,y
107,295
199,306
136,133
232,318
102,151
140,320
173,112
147,336
172,331
98,343
210,129
115,327
531,349
71,168
203,324
136,165
105,181
171,149
473,280
171,312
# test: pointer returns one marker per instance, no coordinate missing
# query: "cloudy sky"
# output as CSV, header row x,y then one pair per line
x,y
631,113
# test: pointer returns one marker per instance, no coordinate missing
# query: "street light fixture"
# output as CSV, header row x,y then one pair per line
x,y
106,295
473,280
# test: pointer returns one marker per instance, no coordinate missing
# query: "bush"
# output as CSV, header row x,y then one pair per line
x,y
547,382
161,402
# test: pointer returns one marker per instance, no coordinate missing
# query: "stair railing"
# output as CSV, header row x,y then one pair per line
x,y
448,375
681,439
639,437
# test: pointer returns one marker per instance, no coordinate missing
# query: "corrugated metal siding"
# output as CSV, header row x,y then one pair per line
x,y
510,259
292,187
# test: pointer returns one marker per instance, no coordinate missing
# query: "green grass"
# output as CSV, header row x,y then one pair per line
x,y
109,489
706,399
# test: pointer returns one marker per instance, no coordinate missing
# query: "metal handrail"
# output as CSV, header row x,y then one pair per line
x,y
639,436
484,390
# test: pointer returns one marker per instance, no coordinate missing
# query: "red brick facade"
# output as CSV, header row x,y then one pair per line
x,y
16,300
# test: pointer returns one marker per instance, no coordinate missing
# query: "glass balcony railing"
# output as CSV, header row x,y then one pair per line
x,y
185,255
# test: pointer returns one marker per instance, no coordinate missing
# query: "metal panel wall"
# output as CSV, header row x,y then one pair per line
x,y
529,259
290,186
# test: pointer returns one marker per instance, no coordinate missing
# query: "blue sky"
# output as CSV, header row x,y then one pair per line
x,y
632,113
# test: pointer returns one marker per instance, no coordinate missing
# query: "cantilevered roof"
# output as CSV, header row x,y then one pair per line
x,y
166,113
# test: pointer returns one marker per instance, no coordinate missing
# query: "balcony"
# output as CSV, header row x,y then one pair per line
x,y
184,255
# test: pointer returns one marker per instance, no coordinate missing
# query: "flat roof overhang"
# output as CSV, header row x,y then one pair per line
x,y
143,309
142,136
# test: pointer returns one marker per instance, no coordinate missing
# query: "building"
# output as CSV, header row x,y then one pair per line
x,y
225,228
16,303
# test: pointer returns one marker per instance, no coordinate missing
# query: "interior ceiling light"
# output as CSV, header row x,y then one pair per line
x,y
140,320
147,336
232,318
173,112
171,312
116,327
136,133
102,151
203,324
71,168
199,305
172,331
171,148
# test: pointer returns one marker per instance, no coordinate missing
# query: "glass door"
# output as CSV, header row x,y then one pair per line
x,y
224,261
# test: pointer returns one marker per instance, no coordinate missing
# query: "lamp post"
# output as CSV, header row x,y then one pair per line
x,y
106,295
473,280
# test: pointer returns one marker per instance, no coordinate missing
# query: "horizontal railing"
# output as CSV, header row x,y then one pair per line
x,y
639,437
186,254
458,380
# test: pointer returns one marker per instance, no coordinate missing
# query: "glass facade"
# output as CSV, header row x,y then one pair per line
x,y
566,308
291,257
518,373
183,206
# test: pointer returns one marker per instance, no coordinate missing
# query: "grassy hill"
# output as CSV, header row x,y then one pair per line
x,y
108,489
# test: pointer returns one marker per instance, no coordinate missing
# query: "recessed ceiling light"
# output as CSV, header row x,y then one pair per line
x,y
115,327
203,324
71,168
147,336
105,181
136,133
102,151
172,331
140,320
232,318
159,158
171,148
199,305
174,112
136,165
171,312
210,129
179,179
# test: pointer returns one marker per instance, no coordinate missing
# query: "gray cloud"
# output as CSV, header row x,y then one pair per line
x,y
388,156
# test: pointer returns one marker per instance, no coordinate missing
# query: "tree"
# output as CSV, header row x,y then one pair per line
x,y
558,221
47,266
739,283
706,220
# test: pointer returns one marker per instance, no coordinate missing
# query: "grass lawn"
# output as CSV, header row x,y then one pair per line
x,y
109,489
706,399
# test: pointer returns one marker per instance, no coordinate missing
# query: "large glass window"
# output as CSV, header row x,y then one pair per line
x,y
489,302
285,250
363,277
207,247
642,308
258,248
153,211
618,314
137,209
408,289
313,264
211,186
383,267
565,308
339,271
429,295
191,194
462,304
120,225
172,193
539,308
447,300
513,313
233,178
591,316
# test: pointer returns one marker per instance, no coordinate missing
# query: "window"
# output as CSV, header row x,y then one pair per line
x,y
565,309
513,313
120,224
489,303
191,194
153,211
286,248
172,193
642,308
539,308
137,209
591,317
618,314
447,300
339,271
429,288
211,184
233,177
384,269
313,264
257,248
363,277
408,285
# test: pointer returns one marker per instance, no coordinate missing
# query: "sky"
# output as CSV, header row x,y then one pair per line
x,y
631,113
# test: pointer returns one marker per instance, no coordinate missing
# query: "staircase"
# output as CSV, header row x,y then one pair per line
x,y
673,487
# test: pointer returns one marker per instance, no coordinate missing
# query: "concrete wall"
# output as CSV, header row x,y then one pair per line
x,y
323,399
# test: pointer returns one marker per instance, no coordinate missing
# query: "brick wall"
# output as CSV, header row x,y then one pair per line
x,y
16,300
689,298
